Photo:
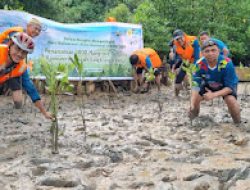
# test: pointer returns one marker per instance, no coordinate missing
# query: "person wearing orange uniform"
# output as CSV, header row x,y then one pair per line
x,y
188,48
147,60
13,71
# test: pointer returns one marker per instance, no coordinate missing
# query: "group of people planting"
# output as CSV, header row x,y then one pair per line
x,y
214,74
214,77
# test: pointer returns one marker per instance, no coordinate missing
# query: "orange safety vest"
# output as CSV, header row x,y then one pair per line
x,y
143,53
5,34
17,70
187,52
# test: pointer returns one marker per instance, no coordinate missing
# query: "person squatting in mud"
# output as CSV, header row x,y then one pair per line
x,y
13,71
215,77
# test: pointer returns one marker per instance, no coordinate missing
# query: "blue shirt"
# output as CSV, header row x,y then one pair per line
x,y
148,62
29,87
221,45
223,75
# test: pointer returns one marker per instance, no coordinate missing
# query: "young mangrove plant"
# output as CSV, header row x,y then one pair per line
x,y
79,68
171,77
56,81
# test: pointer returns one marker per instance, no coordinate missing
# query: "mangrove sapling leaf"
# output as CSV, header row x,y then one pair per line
x,y
56,81
171,76
150,75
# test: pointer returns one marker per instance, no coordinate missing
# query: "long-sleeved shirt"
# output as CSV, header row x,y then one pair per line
x,y
29,87
221,76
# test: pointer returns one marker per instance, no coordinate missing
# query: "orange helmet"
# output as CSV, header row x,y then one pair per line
x,y
23,41
111,19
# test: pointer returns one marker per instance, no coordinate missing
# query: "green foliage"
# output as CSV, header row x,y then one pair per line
x,y
11,5
116,70
56,80
150,75
56,76
227,20
155,31
190,70
77,64
120,12
171,76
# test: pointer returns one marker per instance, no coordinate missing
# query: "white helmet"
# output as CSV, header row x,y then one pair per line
x,y
23,41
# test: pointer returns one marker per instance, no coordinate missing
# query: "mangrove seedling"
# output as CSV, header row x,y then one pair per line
x,y
79,68
56,81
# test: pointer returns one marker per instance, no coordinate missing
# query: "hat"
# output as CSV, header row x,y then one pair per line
x,y
35,21
208,43
178,34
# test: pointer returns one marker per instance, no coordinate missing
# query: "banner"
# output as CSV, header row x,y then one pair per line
x,y
103,48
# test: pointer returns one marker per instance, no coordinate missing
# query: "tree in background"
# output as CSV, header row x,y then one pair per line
x,y
227,20
11,5
155,31
120,12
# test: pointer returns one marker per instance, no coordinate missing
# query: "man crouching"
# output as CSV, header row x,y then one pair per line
x,y
13,71
215,77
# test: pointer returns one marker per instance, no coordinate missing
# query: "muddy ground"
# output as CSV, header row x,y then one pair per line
x,y
133,141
